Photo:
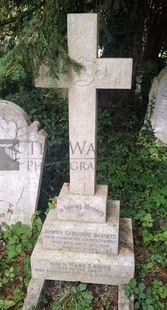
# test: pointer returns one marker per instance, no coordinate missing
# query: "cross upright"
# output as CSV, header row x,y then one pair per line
x,y
97,73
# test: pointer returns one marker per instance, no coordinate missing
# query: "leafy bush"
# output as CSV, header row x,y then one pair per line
x,y
76,297
17,242
135,169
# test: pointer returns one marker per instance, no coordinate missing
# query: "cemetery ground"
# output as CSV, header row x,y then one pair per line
x,y
134,167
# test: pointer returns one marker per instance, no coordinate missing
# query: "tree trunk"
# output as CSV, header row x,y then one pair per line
x,y
157,30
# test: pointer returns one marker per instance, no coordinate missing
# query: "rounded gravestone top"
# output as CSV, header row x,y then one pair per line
x,y
9,110
158,101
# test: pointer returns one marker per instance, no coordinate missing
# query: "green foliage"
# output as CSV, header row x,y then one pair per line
x,y
17,237
17,243
6,304
147,298
75,298
50,110
134,167
51,204
105,302
35,32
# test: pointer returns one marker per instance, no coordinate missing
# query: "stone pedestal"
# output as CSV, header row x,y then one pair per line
x,y
85,208
89,267
83,237
100,253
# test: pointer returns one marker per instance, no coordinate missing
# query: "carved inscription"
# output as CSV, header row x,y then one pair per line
x,y
81,207
87,271
79,241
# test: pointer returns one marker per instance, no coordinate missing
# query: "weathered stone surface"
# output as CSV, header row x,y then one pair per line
x,y
86,267
96,73
124,303
83,237
35,294
22,150
83,208
158,106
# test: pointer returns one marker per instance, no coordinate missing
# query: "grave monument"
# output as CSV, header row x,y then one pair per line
x,y
22,151
158,106
83,238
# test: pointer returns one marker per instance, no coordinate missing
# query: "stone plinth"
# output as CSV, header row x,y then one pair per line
x,y
87,267
83,237
84,208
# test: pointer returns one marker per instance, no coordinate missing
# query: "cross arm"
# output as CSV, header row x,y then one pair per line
x,y
113,73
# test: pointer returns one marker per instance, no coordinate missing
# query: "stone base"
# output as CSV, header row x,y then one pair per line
x,y
82,208
83,237
35,295
124,303
86,267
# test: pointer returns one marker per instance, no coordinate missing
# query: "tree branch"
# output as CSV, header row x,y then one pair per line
x,y
20,17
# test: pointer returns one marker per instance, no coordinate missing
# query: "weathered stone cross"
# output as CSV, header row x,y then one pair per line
x,y
97,73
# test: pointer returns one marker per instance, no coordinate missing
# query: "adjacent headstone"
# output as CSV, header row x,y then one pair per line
x,y
83,239
22,150
158,105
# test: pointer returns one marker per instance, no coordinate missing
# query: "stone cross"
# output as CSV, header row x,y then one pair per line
x,y
97,73
82,238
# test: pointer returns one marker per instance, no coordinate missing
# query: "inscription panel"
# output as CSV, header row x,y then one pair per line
x,y
86,267
104,272
89,271
82,236
81,207
83,241
84,208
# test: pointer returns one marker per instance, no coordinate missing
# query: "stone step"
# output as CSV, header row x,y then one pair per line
x,y
81,236
82,208
87,267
